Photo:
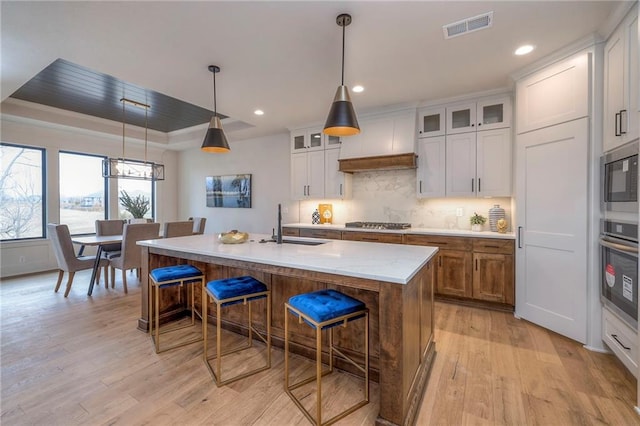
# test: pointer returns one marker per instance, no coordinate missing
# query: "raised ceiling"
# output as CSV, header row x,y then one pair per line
x,y
284,56
74,88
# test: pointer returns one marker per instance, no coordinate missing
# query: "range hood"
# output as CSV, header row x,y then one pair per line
x,y
381,162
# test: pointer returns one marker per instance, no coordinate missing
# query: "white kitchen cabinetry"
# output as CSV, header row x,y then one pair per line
x,y
621,84
478,164
390,134
431,167
305,140
336,183
554,95
307,175
485,114
431,122
621,339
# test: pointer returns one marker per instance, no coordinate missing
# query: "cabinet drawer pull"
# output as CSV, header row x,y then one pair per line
x,y
476,264
421,187
623,112
615,337
479,186
618,122
472,187
340,189
495,247
369,239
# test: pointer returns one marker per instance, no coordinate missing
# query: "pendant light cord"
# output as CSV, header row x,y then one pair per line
x,y
122,100
215,108
343,29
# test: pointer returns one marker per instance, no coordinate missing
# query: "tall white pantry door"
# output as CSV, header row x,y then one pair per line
x,y
551,285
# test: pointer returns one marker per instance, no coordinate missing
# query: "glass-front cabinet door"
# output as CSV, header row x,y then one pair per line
x,y
461,118
494,114
431,122
305,140
332,141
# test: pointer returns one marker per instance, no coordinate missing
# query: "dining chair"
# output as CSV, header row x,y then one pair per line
x,y
178,229
110,227
66,256
131,253
138,220
198,224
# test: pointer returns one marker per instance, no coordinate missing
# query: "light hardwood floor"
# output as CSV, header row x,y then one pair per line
x,y
81,360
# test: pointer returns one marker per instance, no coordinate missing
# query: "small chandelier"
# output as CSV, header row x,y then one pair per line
x,y
215,140
122,168
342,120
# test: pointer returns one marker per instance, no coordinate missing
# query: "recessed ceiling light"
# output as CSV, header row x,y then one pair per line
x,y
523,50
358,89
258,112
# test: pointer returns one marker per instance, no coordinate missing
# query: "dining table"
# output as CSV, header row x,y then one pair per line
x,y
96,241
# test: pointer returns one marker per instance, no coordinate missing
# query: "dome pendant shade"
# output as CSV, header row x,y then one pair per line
x,y
342,120
215,141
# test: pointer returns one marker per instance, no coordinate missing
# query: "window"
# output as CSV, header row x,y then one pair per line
x,y
136,189
82,192
22,200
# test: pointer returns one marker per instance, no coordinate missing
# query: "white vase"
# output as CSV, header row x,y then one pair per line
x,y
476,227
495,214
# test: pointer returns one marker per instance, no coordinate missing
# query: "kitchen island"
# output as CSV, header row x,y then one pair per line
x,y
395,282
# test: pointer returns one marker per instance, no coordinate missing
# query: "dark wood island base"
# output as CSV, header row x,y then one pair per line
x,y
401,344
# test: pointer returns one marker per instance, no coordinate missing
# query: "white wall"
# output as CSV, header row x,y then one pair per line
x,y
266,159
29,256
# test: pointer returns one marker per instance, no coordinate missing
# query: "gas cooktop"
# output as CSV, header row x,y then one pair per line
x,y
377,225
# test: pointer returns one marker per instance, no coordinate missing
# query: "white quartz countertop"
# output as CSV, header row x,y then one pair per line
x,y
395,263
424,231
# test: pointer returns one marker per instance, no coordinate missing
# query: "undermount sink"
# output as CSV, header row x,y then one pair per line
x,y
299,242
304,243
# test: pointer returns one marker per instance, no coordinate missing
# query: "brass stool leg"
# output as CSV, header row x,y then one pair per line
x,y
286,348
319,375
218,342
157,318
205,322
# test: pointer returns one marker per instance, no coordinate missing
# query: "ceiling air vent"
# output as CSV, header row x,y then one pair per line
x,y
468,25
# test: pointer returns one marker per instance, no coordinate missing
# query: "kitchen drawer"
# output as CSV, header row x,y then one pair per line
x,y
290,232
621,339
372,237
489,245
331,234
448,243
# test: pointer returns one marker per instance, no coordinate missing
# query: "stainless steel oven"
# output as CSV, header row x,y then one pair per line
x,y
620,179
619,269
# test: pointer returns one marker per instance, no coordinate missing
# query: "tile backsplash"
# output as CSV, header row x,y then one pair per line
x,y
390,196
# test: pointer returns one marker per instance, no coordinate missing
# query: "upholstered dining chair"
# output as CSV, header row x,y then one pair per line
x,y
110,227
178,229
131,253
139,220
198,224
66,256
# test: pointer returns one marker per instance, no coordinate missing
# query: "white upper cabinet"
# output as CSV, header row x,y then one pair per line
x,y
621,84
431,167
431,122
479,164
331,142
493,163
307,175
388,134
555,95
304,140
486,114
336,183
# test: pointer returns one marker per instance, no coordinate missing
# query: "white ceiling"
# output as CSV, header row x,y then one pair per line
x,y
284,57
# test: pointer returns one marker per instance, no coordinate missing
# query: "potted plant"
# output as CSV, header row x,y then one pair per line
x,y
477,221
138,206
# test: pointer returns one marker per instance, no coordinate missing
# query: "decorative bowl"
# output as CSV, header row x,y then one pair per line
x,y
233,237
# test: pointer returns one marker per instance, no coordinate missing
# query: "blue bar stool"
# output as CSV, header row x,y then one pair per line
x,y
325,309
226,292
170,276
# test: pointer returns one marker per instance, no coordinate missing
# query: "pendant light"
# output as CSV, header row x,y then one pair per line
x,y
215,141
342,120
123,168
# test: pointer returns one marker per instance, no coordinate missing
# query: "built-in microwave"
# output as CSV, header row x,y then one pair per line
x,y
620,179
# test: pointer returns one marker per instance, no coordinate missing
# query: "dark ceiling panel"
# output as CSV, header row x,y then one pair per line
x,y
75,88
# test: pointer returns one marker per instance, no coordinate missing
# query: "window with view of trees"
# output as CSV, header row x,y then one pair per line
x,y
138,191
82,191
22,200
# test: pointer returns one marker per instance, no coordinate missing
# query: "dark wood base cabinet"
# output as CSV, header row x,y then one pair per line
x,y
479,270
